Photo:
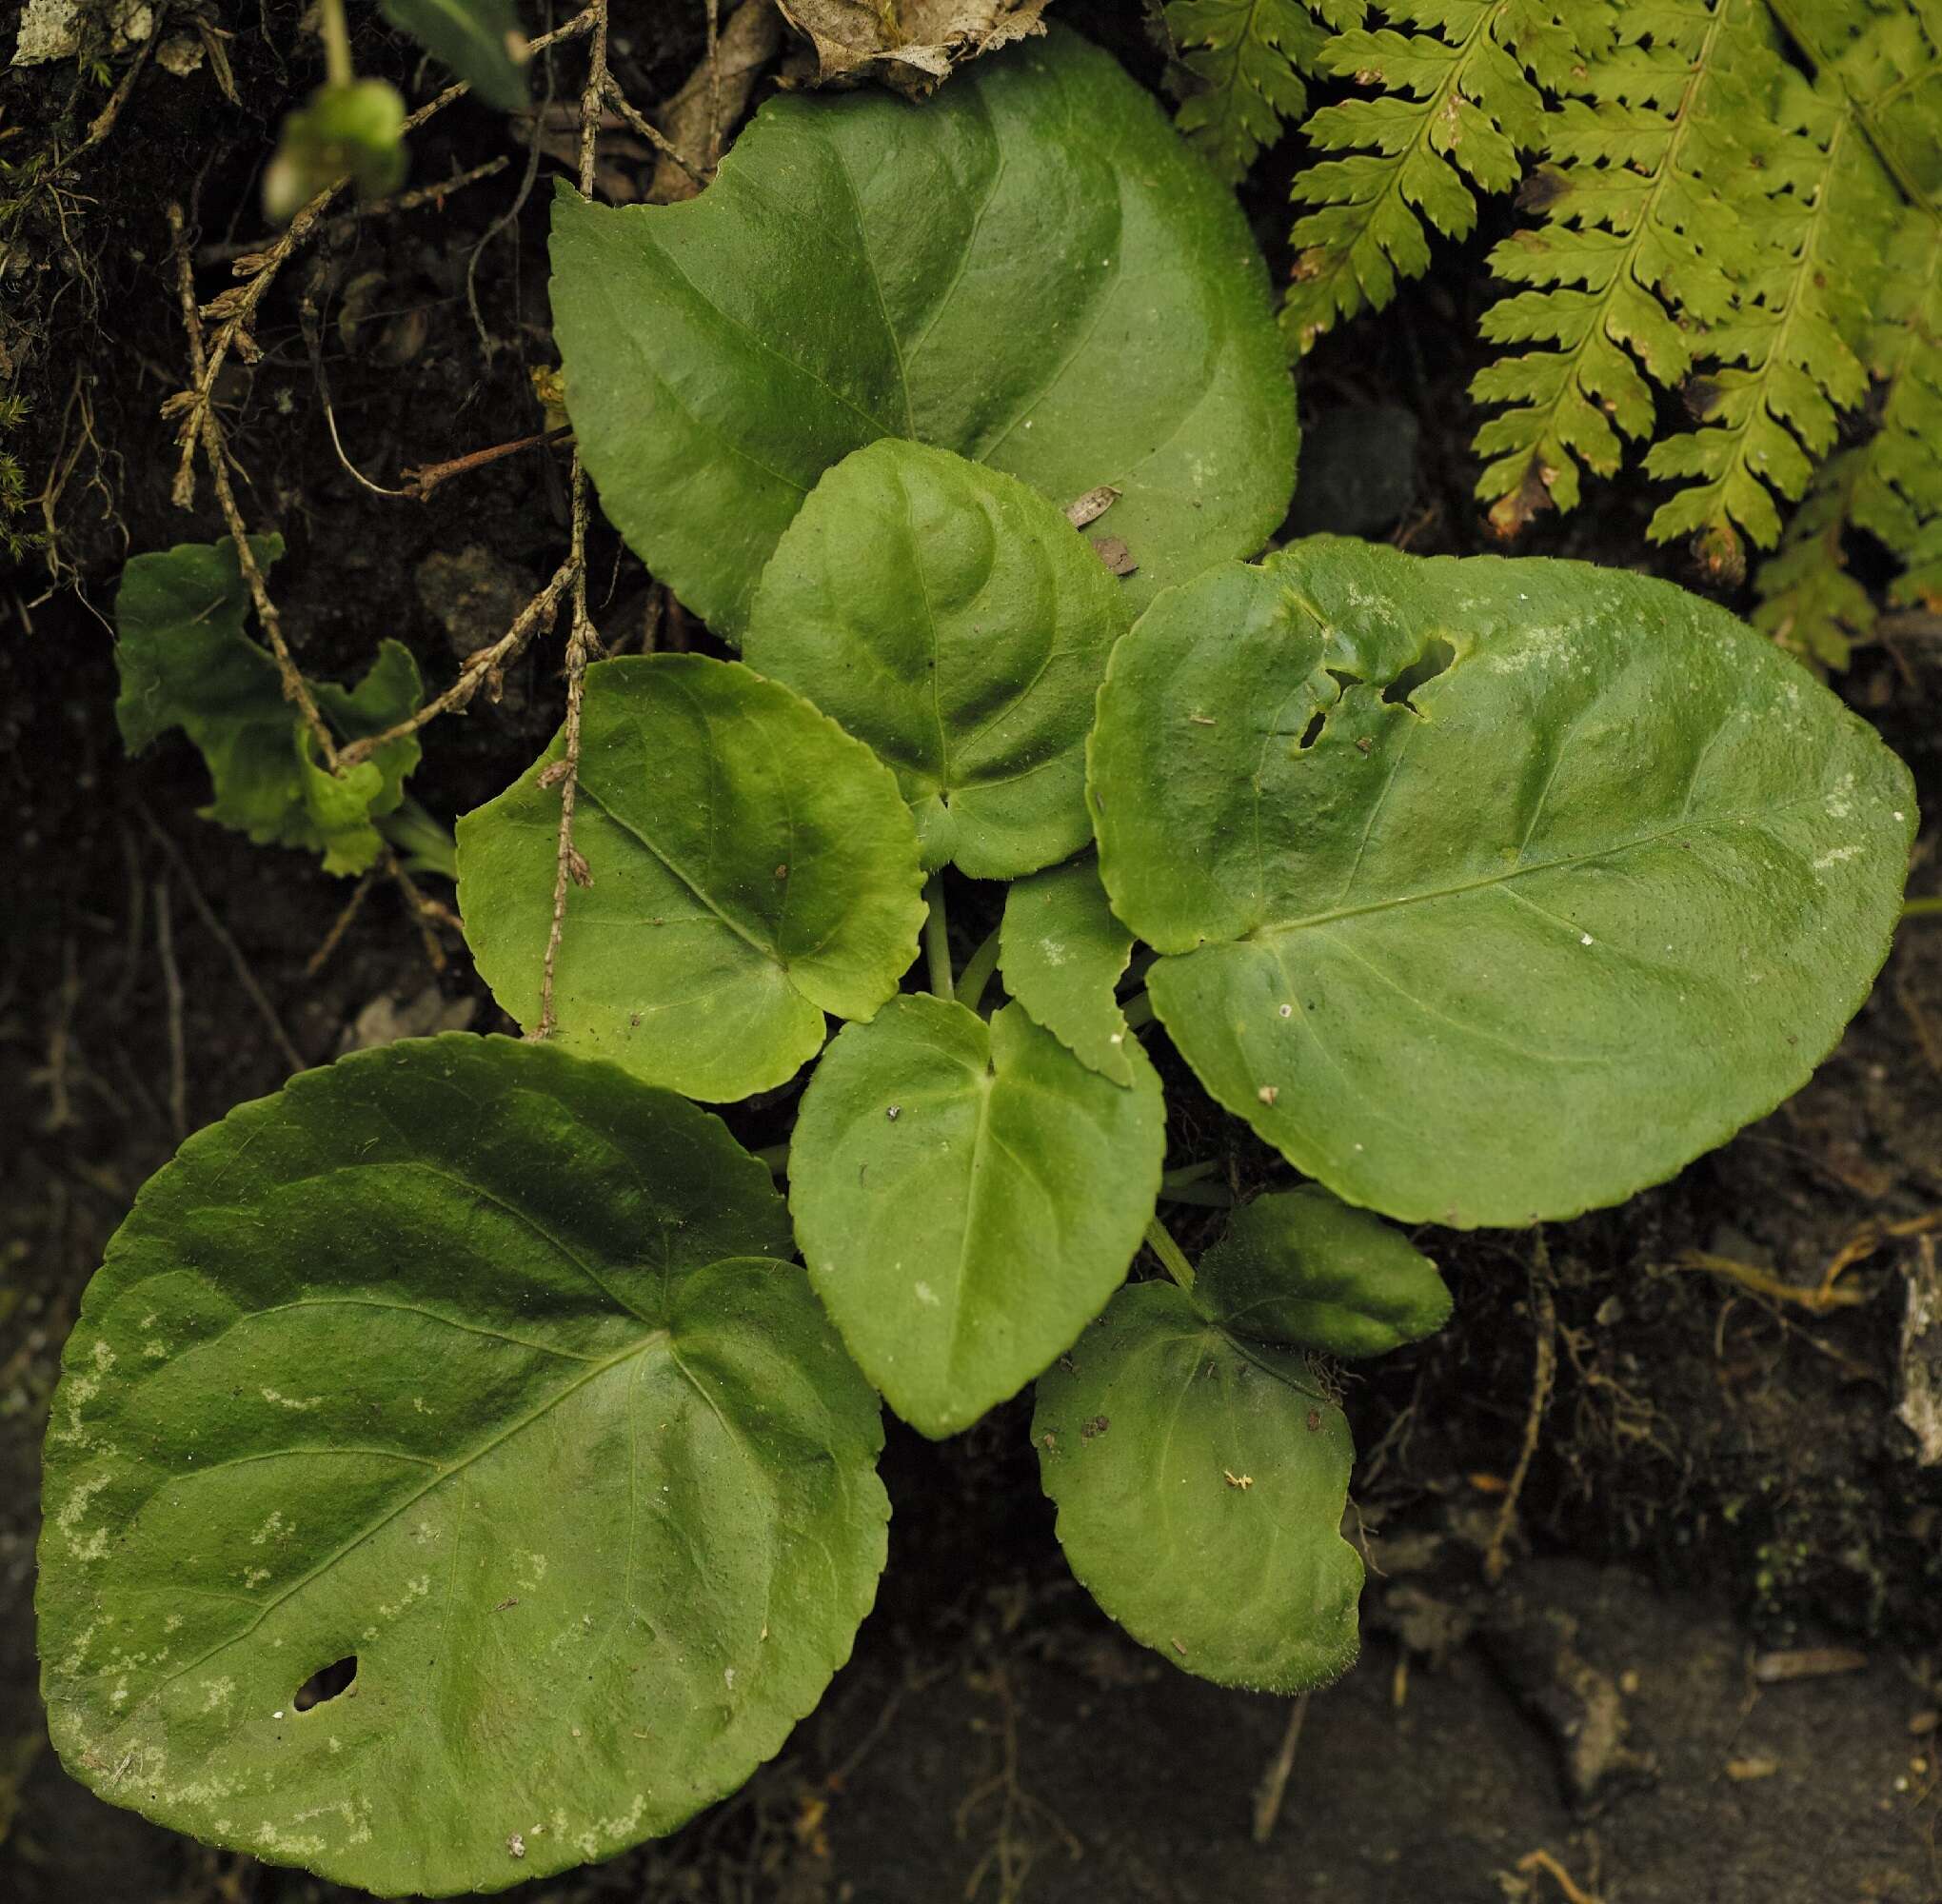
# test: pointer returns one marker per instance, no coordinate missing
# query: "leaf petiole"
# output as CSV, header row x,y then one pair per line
x,y
1162,1243
976,973
936,937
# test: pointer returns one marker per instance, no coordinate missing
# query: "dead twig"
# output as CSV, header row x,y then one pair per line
x,y
426,914
644,129
423,479
203,362
485,665
1544,1377
334,938
344,223
570,867
1273,1785
102,122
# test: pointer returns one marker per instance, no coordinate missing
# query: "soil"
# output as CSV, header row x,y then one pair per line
x,y
1712,1671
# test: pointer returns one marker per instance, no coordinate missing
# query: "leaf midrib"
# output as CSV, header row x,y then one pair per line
x,y
659,1334
1283,927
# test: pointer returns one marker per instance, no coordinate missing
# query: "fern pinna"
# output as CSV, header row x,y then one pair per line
x,y
1733,255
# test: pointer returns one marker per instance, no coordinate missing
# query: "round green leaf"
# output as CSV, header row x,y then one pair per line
x,y
751,868
461,1359
956,621
1200,1482
966,1196
1062,953
1513,886
1300,1267
1030,269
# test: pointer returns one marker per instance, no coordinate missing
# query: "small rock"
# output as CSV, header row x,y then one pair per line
x,y
181,53
385,1020
474,595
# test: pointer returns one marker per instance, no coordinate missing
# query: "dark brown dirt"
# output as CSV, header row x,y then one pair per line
x,y
1718,1475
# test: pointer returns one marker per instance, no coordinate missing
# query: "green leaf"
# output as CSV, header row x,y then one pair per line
x,y
355,131
750,868
479,39
956,622
966,1197
1062,953
184,661
466,1360
1200,1482
1302,1268
1502,942
1031,270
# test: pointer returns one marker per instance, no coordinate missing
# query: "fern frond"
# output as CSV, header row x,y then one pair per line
x,y
1793,338
1809,601
1248,57
1458,106
1889,485
1641,252
1899,496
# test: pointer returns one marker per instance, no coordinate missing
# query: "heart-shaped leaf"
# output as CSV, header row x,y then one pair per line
x,y
1200,1481
751,866
462,1367
1302,1268
1062,952
184,661
1517,885
1031,270
954,620
966,1197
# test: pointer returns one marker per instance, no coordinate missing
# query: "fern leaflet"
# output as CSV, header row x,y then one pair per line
x,y
1247,57
1459,100
1641,250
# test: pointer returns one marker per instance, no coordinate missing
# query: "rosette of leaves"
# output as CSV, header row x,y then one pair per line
x,y
1484,892
1030,271
184,661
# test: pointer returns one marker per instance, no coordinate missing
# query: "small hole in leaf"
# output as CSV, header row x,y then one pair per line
x,y
327,1682
1311,733
1436,657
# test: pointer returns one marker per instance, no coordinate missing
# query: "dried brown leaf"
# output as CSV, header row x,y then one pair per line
x,y
911,45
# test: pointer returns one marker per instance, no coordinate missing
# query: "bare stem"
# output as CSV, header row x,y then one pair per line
x,y
936,937
1171,1259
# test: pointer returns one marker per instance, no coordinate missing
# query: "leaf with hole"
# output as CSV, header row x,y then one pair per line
x,y
464,1369
954,621
1200,1480
1302,1268
749,868
1030,269
479,39
1062,953
184,661
966,1196
1519,884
